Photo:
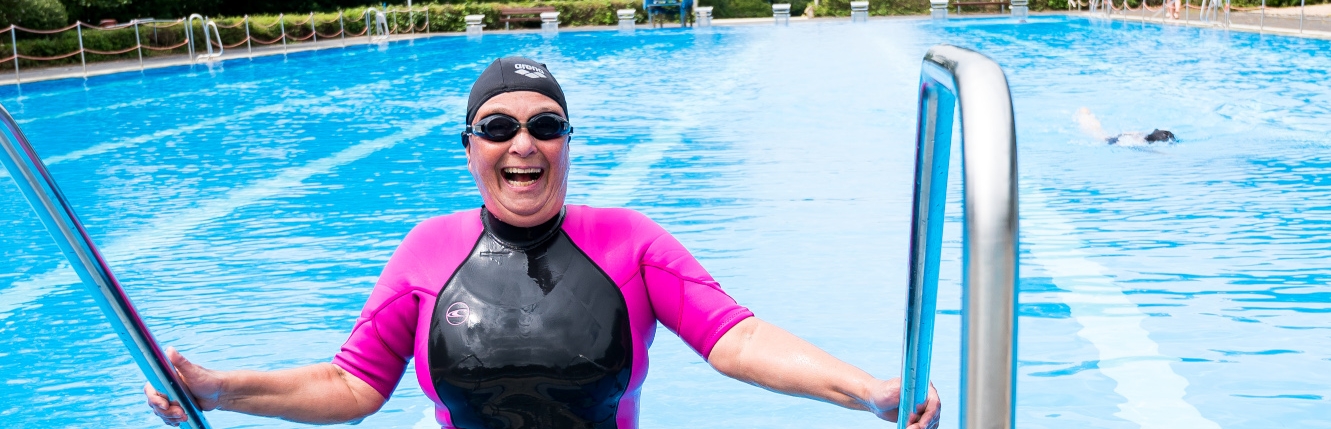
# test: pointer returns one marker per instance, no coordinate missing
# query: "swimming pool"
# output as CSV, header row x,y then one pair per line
x,y
248,207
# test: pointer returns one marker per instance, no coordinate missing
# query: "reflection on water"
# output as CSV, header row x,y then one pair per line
x,y
248,209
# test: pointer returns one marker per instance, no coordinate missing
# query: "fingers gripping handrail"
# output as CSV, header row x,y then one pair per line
x,y
956,76
32,177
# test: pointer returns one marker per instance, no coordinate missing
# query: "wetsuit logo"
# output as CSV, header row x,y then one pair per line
x,y
529,71
457,313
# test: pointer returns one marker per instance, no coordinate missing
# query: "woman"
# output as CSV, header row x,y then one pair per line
x,y
527,313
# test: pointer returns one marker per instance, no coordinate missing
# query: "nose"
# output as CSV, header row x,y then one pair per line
x,y
522,145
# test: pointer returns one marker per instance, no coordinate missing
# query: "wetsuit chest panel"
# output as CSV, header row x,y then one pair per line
x,y
530,338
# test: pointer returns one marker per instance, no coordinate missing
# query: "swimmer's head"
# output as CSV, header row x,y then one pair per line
x,y
522,178
1158,136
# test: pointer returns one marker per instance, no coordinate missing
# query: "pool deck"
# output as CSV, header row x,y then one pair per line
x,y
1277,21
1283,21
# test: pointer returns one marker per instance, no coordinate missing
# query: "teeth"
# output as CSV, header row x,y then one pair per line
x,y
514,170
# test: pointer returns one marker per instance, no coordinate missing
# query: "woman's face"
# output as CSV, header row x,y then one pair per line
x,y
523,181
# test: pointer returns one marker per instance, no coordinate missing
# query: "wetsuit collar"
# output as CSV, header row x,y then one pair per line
x,y
519,237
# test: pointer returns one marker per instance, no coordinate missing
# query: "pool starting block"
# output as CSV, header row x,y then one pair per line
x,y
938,9
1019,9
702,16
549,22
859,11
781,13
474,24
626,19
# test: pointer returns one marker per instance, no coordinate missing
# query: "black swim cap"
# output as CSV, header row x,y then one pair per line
x,y
513,74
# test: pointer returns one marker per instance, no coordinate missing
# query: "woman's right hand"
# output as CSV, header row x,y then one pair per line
x,y
205,385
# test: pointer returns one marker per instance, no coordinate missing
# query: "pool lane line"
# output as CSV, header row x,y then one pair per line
x,y
1153,392
168,229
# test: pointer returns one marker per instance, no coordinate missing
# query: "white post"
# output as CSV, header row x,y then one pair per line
x,y
1263,21
13,40
248,48
938,9
138,43
343,26
78,25
427,19
313,32
1301,5
281,23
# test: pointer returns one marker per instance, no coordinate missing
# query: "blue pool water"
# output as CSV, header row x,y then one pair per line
x,y
248,207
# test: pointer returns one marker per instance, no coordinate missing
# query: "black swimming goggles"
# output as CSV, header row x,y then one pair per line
x,y
500,128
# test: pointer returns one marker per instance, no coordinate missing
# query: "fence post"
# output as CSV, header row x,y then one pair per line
x,y
138,43
78,25
1262,27
343,26
427,19
313,32
248,48
13,39
1301,5
281,23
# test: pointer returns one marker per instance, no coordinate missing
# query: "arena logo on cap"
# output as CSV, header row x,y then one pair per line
x,y
529,71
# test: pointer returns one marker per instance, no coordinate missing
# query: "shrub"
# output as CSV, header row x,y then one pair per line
x,y
876,7
38,14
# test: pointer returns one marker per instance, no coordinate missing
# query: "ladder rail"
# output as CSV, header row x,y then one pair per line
x,y
976,85
41,191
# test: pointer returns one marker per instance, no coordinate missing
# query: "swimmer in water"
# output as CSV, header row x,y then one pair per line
x,y
1090,125
527,313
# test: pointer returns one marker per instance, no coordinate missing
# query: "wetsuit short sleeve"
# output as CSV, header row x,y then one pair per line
x,y
382,340
684,296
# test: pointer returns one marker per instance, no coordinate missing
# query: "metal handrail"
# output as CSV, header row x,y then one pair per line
x,y
951,76
380,23
50,204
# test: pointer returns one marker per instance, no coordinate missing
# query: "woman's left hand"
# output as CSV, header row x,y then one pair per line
x,y
886,399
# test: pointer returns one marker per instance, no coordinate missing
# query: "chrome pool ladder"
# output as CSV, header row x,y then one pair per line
x,y
205,23
952,76
376,21
40,189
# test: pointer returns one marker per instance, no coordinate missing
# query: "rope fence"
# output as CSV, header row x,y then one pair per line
x,y
1218,13
161,38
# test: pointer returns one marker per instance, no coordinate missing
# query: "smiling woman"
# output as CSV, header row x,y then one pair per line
x,y
527,313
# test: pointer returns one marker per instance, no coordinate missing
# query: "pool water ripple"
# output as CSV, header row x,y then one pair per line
x,y
249,206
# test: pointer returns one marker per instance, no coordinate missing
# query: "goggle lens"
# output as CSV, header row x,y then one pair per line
x,y
502,128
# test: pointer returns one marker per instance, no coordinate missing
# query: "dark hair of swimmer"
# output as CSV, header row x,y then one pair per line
x,y
1160,136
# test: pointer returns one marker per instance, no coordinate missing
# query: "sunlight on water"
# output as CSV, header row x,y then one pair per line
x,y
249,208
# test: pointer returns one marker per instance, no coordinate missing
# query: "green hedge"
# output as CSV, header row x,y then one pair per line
x,y
876,7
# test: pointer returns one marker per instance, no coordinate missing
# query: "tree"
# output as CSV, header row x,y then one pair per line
x,y
38,14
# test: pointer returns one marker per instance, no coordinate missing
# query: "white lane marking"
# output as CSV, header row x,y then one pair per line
x,y
1113,323
170,228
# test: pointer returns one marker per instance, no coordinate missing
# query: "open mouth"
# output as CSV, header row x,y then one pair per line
x,y
520,177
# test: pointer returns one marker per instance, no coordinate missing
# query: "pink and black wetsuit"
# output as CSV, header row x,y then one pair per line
x,y
542,327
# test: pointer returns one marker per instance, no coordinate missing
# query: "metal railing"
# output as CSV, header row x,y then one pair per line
x,y
953,76
32,177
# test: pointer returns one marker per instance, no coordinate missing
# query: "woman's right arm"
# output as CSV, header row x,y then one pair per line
x,y
321,393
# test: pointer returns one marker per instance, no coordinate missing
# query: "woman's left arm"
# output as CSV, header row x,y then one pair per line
x,y
762,354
